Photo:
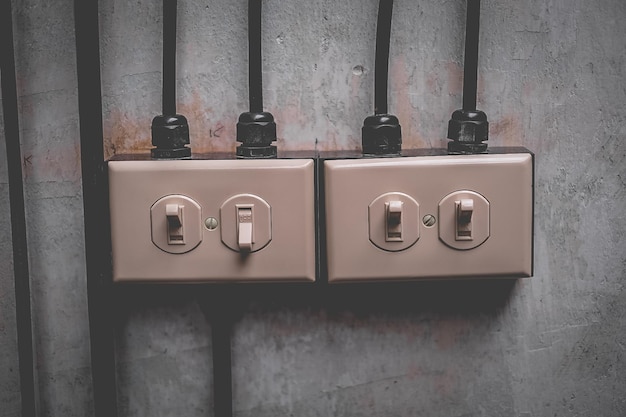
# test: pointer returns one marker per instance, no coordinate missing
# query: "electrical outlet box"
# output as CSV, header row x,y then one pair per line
x,y
432,217
213,220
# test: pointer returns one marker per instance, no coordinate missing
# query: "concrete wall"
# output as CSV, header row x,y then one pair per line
x,y
552,78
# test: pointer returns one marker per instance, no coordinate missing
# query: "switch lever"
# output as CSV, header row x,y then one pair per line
x,y
244,228
464,211
174,213
393,221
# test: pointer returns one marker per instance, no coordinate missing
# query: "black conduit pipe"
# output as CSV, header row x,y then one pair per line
x,y
18,213
468,128
169,57
255,74
256,129
221,333
170,131
96,212
470,66
381,133
381,66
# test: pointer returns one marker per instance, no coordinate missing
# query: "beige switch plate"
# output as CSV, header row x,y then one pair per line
x,y
287,185
505,181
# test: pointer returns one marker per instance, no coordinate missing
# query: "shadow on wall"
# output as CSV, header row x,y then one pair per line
x,y
363,299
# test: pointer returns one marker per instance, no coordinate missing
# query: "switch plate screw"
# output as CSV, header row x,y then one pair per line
x,y
429,220
211,223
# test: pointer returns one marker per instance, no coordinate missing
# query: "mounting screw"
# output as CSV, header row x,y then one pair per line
x,y
211,223
429,220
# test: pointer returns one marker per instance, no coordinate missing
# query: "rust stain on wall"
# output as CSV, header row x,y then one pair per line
x,y
124,134
209,130
507,131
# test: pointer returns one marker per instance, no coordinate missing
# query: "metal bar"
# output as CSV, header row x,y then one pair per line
x,y
18,213
96,212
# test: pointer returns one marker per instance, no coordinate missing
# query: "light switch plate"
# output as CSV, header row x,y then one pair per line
x,y
280,197
495,189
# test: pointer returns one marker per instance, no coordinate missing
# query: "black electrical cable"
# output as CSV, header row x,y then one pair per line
x,y
256,129
96,213
470,67
469,128
381,69
381,133
255,74
170,131
169,57
18,214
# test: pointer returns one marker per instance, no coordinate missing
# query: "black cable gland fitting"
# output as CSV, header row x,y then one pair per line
x,y
381,135
256,131
170,134
468,129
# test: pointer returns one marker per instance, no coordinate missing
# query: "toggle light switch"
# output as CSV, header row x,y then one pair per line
x,y
176,224
174,214
393,224
464,210
464,220
244,228
393,221
246,223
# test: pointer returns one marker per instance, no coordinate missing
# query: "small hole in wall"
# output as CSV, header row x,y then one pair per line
x,y
358,70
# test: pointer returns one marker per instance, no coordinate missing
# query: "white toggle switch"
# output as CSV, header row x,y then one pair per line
x,y
393,221
464,211
246,223
464,219
244,228
175,223
174,213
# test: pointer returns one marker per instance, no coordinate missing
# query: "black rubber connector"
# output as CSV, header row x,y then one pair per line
x,y
381,135
256,131
468,129
170,134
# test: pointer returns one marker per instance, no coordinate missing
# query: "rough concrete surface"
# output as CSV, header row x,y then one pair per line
x,y
552,78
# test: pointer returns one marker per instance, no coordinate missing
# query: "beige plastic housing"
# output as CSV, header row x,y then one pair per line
x,y
256,222
496,192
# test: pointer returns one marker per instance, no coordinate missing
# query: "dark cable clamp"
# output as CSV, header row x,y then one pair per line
x,y
170,134
381,135
256,131
468,129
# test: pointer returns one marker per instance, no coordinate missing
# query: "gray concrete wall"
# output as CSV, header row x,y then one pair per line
x,y
552,78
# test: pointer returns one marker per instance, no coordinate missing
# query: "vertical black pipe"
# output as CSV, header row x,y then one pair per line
x,y
18,214
381,68
96,213
221,329
169,57
470,68
255,74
